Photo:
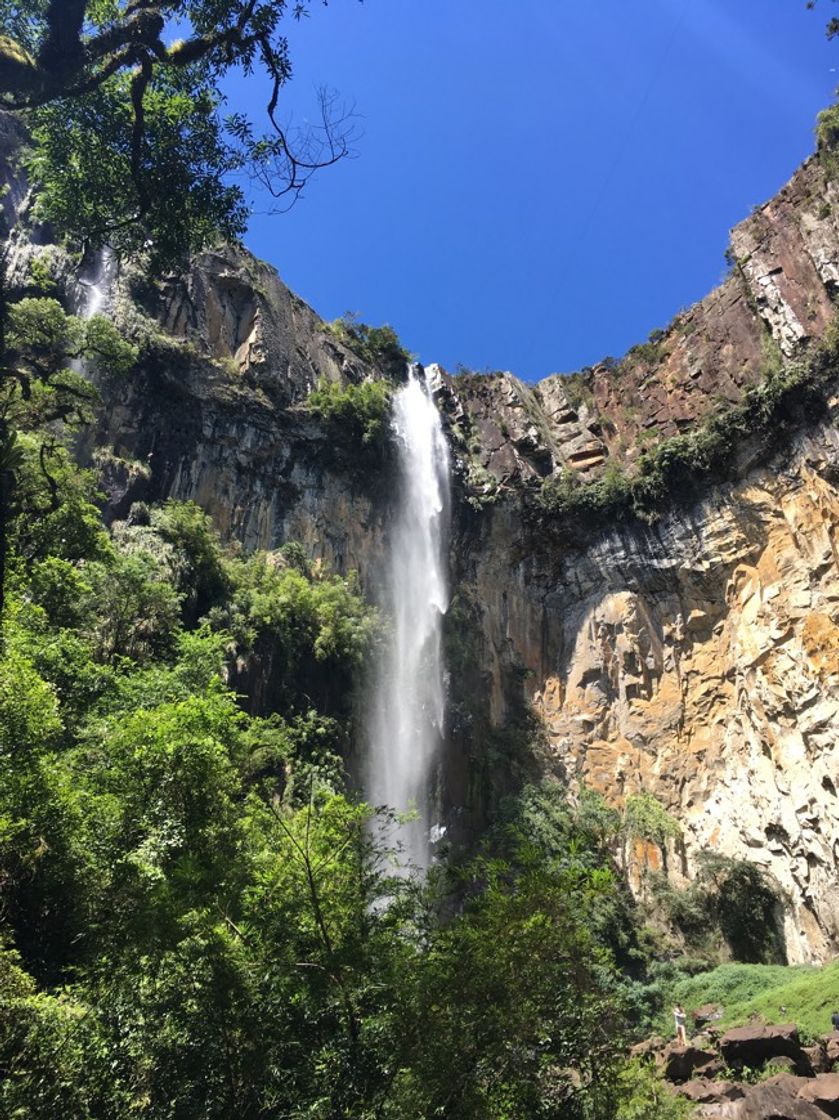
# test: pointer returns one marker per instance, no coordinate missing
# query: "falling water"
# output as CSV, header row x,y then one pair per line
x,y
93,292
408,703
94,284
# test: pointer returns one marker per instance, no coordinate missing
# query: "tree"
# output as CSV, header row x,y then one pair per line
x,y
833,24
41,399
123,100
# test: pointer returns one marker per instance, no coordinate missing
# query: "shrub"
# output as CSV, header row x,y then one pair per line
x,y
360,411
674,469
730,900
646,818
643,1095
827,139
378,346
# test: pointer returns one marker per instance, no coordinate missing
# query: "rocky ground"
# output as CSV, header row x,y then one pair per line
x,y
754,1072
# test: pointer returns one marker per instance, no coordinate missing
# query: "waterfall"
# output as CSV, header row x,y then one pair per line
x,y
408,700
92,292
94,283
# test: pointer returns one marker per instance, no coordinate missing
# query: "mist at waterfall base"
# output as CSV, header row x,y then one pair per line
x,y
408,701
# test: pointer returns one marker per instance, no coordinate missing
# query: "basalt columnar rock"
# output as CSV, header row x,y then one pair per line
x,y
693,653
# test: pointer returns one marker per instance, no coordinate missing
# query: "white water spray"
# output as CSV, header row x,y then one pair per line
x,y
408,702
94,284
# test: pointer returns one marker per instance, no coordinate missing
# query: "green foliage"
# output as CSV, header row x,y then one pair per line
x,y
28,707
731,986
577,388
137,611
40,275
515,1002
484,489
199,573
377,346
748,909
43,339
803,994
82,161
647,1096
648,353
39,327
646,818
827,138
729,900
52,510
193,912
358,413
325,618
674,469
128,142
107,351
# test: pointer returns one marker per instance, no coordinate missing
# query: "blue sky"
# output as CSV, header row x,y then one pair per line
x,y
540,183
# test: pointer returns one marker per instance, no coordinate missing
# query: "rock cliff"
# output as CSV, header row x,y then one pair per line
x,y
693,652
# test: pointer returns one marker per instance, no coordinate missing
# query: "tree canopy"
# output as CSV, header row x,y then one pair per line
x,y
131,143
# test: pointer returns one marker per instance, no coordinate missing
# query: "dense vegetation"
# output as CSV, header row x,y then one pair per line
x,y
133,147
358,413
376,346
194,919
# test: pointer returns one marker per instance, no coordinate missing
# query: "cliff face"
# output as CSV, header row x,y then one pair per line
x,y
697,659
695,656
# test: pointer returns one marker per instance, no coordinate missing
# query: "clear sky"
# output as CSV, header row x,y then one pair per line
x,y
540,182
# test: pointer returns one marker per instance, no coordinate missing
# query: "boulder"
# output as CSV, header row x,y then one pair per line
x,y
831,1047
823,1091
770,1101
711,1069
789,1081
648,1047
705,1040
702,1091
724,1110
801,1065
681,1062
817,1057
754,1045
783,1064
708,1013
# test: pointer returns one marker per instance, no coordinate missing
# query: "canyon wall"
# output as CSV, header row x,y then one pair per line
x,y
694,653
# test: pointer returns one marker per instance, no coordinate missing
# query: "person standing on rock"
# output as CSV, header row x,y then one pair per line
x,y
834,1018
680,1019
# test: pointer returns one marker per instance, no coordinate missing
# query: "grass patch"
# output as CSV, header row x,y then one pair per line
x,y
808,994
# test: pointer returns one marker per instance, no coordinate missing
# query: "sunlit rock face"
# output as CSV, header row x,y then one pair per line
x,y
700,661
696,657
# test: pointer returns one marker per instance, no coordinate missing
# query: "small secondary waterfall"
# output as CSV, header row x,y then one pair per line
x,y
92,294
93,286
408,702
